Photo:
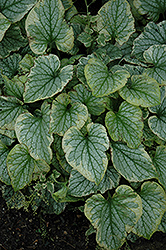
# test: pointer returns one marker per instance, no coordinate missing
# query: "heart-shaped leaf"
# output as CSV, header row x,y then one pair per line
x,y
101,80
159,161
151,8
141,90
65,115
46,79
33,131
157,123
153,207
14,10
112,217
45,25
126,124
86,152
116,21
10,109
153,34
4,25
21,166
80,186
4,176
134,164
95,105
156,56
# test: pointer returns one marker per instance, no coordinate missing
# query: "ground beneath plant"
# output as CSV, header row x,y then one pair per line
x,y
20,230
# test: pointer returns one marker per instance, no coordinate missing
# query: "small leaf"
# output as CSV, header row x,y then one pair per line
x,y
116,21
46,79
20,166
125,125
14,10
114,216
85,38
133,164
156,55
153,34
159,163
157,123
95,105
80,186
4,25
33,131
65,115
151,8
12,41
45,25
154,205
4,176
10,109
86,153
27,63
141,90
102,81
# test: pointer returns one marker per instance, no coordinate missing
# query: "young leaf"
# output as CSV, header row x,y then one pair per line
x,y
46,79
157,123
14,10
153,34
95,105
141,90
126,124
86,153
154,205
159,163
102,81
26,63
12,41
116,21
151,8
4,176
133,164
4,25
114,216
33,131
156,55
45,24
10,109
65,115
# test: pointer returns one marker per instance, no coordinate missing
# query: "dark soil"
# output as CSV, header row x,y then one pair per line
x,y
20,230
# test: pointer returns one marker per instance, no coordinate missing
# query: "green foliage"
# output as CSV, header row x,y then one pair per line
x,y
83,111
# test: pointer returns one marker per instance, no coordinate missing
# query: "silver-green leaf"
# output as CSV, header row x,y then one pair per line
x,y
4,25
159,161
4,176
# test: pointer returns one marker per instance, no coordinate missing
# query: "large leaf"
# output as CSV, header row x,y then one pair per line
x,y
21,166
154,205
65,115
10,109
12,41
126,124
151,8
157,123
159,161
80,186
103,81
141,90
114,216
14,10
4,25
95,105
86,152
156,56
116,21
153,34
45,24
4,176
46,79
33,131
134,164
